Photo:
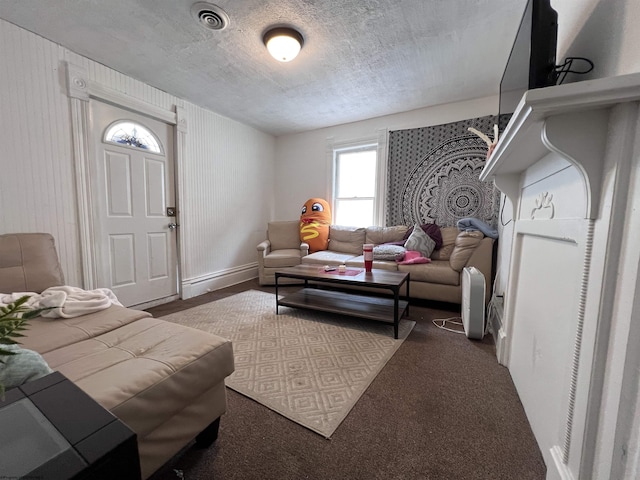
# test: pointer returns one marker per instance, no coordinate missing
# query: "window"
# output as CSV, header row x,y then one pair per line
x,y
355,186
132,135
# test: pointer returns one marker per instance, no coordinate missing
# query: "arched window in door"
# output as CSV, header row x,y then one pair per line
x,y
133,135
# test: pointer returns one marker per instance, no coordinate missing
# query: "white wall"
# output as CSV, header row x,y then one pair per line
x,y
302,168
37,191
227,194
605,31
228,169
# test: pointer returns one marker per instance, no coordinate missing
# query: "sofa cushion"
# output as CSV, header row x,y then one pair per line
x,y
46,334
420,241
326,257
449,235
287,257
346,239
28,263
379,235
438,271
284,234
147,371
465,244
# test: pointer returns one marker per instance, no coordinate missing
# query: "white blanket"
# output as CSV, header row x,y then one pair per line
x,y
67,301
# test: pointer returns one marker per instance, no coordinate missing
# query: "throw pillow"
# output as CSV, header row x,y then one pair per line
x,y
420,242
22,367
412,258
388,252
430,229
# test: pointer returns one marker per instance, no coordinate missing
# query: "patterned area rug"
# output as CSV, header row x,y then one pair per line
x,y
310,367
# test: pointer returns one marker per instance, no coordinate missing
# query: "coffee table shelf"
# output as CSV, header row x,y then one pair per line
x,y
373,308
379,308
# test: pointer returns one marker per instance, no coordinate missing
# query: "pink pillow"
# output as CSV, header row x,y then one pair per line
x,y
411,257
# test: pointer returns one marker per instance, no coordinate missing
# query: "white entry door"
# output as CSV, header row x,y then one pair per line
x,y
132,188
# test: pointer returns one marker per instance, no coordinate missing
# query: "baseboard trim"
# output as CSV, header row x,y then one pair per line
x,y
192,287
501,347
154,303
562,471
495,320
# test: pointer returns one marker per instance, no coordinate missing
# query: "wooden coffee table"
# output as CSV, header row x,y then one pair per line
x,y
371,307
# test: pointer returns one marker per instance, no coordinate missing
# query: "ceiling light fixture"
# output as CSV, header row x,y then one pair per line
x,y
283,43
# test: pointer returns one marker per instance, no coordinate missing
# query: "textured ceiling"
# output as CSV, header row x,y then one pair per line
x,y
361,58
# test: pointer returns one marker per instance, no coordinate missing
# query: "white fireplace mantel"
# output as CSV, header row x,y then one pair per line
x,y
569,162
569,118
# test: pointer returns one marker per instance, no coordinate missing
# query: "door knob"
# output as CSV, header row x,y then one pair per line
x,y
173,226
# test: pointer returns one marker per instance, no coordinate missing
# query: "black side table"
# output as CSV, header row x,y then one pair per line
x,y
51,429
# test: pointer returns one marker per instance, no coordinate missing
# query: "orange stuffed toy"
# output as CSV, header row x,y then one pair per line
x,y
314,224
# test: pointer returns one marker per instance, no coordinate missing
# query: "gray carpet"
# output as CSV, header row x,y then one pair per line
x,y
442,408
309,366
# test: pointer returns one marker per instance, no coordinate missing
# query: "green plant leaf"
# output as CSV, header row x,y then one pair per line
x,y
36,313
13,320
17,305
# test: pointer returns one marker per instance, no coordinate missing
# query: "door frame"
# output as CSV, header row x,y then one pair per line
x,y
80,89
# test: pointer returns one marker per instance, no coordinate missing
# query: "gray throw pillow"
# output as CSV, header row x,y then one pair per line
x,y
24,366
388,252
420,242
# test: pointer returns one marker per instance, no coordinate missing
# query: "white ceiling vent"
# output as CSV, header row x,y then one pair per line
x,y
210,16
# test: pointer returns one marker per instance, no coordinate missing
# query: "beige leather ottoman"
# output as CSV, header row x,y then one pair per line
x,y
148,373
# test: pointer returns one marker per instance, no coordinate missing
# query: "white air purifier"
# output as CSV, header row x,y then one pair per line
x,y
473,293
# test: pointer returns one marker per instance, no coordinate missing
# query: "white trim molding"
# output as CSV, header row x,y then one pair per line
x,y
180,155
78,93
192,287
80,89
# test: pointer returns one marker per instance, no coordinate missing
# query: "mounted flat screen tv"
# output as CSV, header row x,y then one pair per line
x,y
532,59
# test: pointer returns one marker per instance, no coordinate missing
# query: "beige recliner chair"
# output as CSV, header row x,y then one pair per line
x,y
281,249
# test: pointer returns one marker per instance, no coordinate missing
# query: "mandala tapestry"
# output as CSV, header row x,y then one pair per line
x,y
434,173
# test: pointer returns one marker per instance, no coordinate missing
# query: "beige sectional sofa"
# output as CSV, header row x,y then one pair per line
x,y
439,280
165,381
